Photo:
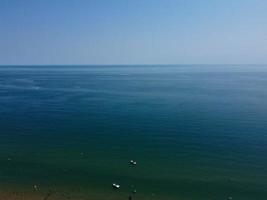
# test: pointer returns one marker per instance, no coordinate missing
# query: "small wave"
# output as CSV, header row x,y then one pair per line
x,y
16,87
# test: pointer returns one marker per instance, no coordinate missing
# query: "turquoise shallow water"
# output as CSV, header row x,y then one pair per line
x,y
197,132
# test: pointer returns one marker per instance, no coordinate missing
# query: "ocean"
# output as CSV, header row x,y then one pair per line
x,y
197,132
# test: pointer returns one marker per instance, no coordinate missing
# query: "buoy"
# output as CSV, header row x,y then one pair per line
x,y
133,162
115,186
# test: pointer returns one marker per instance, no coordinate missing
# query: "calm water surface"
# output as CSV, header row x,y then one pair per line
x,y
197,132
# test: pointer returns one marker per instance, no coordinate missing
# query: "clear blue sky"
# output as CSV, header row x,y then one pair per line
x,y
133,31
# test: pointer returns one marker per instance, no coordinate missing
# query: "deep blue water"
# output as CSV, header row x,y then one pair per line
x,y
196,131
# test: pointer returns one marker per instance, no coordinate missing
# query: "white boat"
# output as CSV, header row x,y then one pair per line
x,y
116,186
133,162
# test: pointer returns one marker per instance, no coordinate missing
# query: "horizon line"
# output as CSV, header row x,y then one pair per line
x,y
22,65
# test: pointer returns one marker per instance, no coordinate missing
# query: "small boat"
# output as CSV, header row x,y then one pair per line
x,y
115,186
133,162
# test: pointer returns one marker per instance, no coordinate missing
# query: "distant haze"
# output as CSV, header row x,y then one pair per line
x,y
133,32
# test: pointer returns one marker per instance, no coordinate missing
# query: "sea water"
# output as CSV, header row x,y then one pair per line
x,y
195,131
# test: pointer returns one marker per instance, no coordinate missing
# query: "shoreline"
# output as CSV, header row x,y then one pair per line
x,y
20,193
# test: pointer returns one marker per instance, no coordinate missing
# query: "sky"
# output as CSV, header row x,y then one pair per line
x,y
43,32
